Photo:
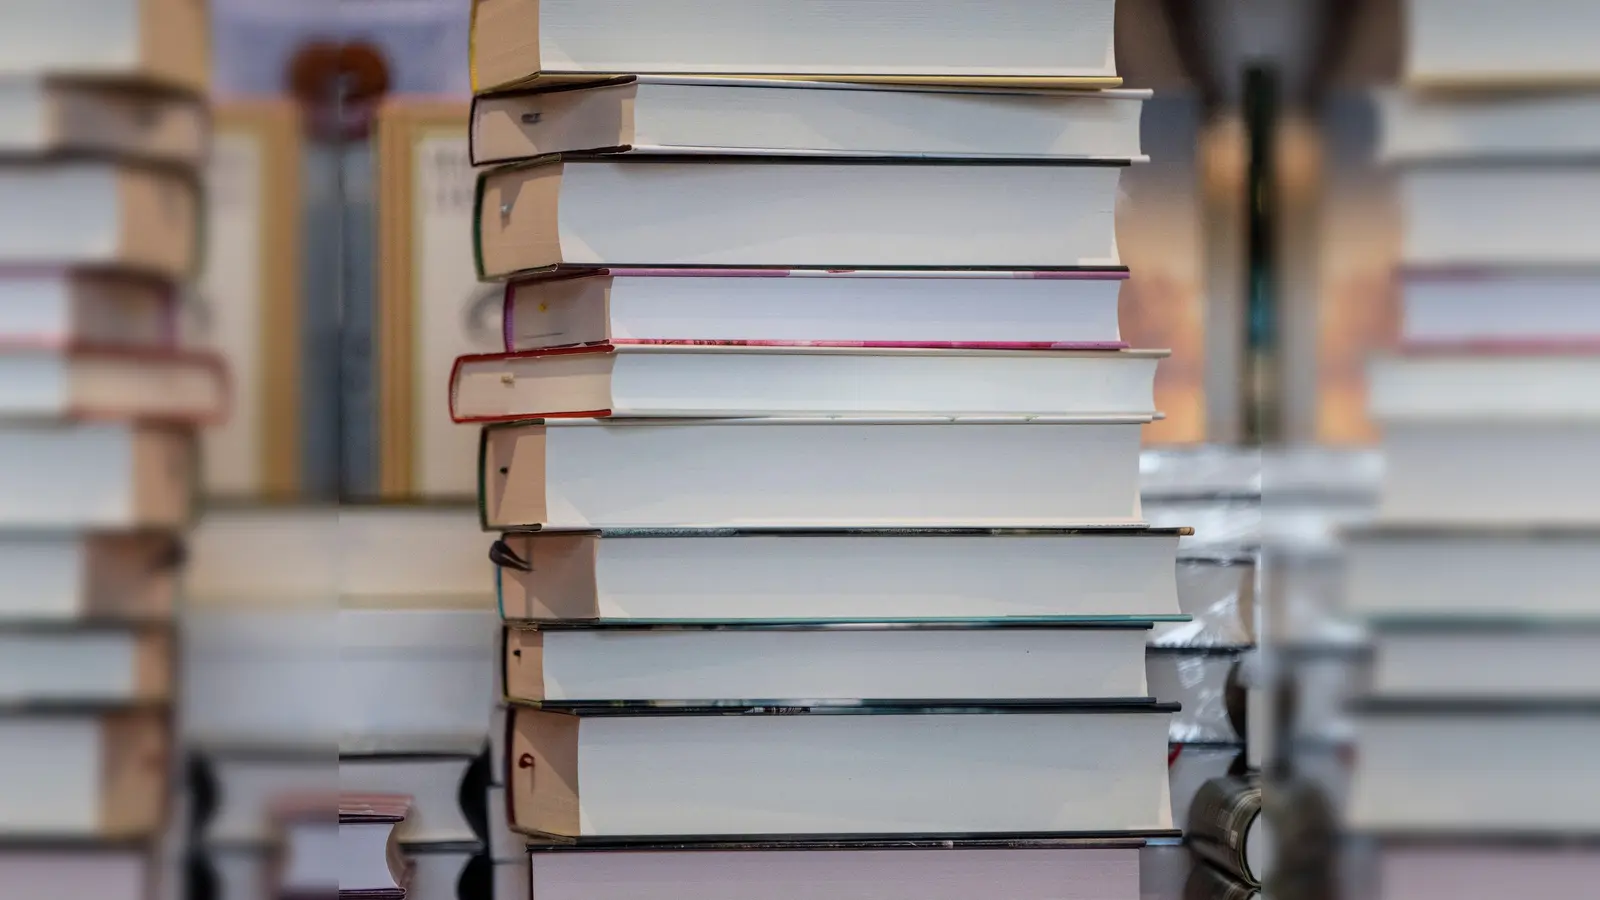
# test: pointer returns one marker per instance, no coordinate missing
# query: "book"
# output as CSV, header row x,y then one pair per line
x,y
1512,472
103,213
368,556
448,792
1488,767
733,380
610,773
733,574
46,115
837,662
100,665
441,659
1494,575
308,853
95,475
827,212
1485,45
284,657
1066,43
243,794
96,307
1453,660
249,299
901,870
105,871
1504,384
1477,870
78,771
89,577
1521,126
655,114
1033,309
587,473
162,41
1541,210
92,382
370,864
1531,308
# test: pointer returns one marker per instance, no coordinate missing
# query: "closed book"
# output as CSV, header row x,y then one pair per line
x,y
371,866
1508,383
1066,43
89,577
733,574
655,114
82,771
683,379
104,871
1497,767
95,475
1061,869
612,773
101,212
1543,212
587,473
1520,471
1027,309
448,792
162,41
826,212
95,382
1469,870
1531,307
1452,660
1418,126
94,307
1489,575
98,665
1488,45
45,116
838,662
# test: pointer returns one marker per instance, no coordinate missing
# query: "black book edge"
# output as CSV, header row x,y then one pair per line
x,y
1482,840
1087,530
775,708
408,756
1449,624
40,709
1018,623
780,158
1381,707
1219,650
442,848
1118,840
571,271
1374,532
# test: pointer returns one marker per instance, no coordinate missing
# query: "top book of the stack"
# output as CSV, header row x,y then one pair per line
x,y
157,42
1032,43
1496,45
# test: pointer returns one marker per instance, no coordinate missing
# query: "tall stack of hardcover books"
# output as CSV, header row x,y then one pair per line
x,y
814,449
1473,752
102,130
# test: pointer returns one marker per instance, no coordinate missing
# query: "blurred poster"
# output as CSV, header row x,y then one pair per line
x,y
431,306
249,305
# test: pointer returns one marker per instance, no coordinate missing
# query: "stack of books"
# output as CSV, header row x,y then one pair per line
x,y
814,450
1472,750
332,649
102,133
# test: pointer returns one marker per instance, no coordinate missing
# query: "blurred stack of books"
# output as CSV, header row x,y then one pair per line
x,y
340,649
103,128
814,448
1473,748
